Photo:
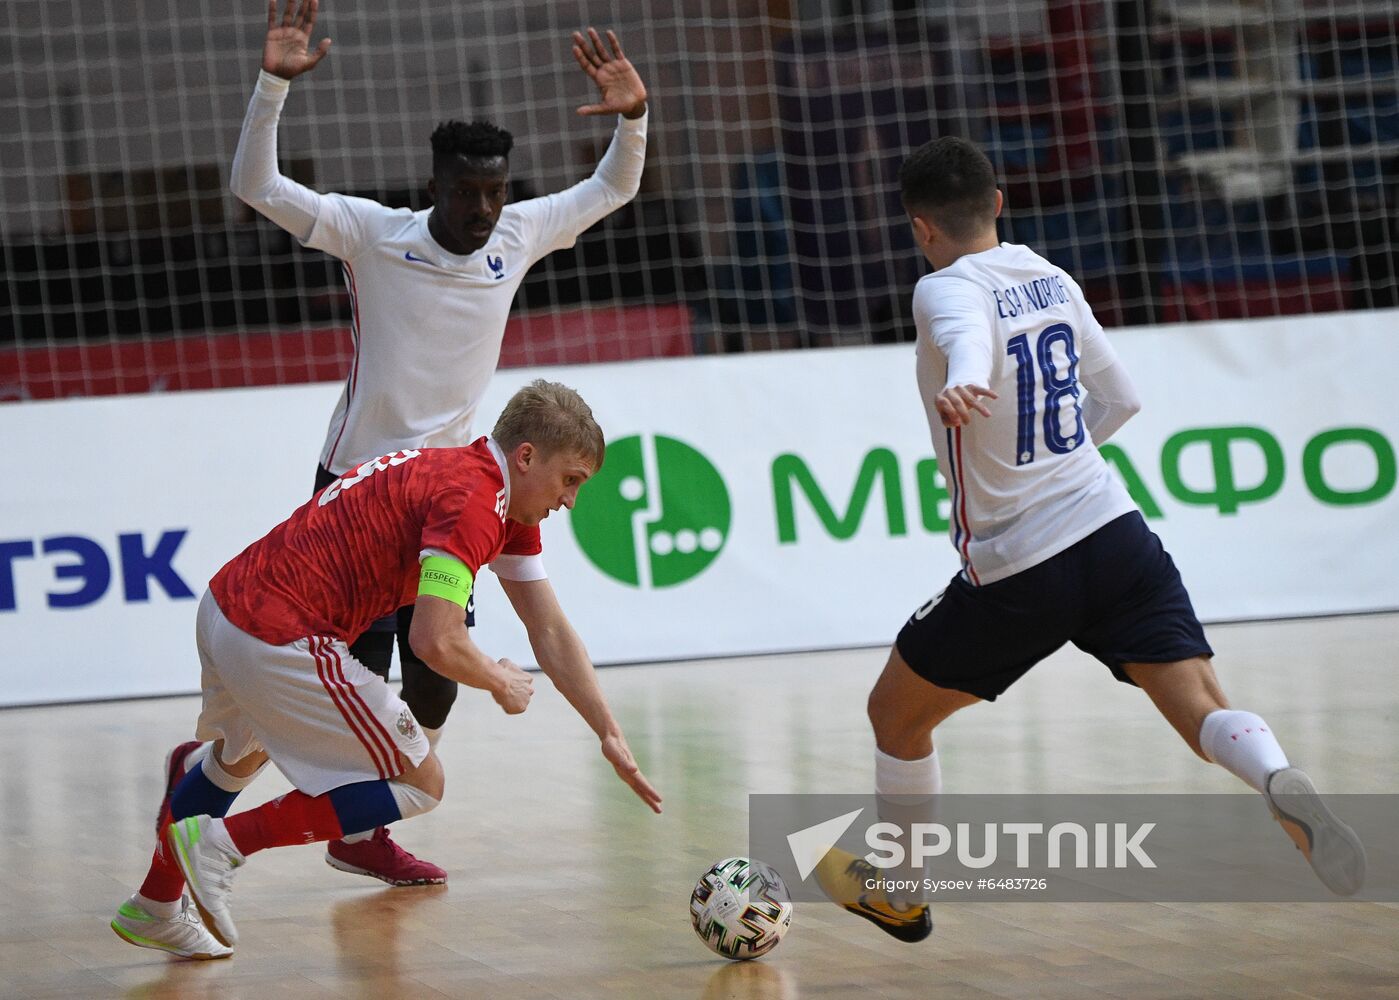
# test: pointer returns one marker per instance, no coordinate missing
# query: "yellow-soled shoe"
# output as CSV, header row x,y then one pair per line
x,y
843,877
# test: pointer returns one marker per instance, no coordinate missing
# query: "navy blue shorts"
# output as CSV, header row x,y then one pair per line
x,y
389,623
1115,594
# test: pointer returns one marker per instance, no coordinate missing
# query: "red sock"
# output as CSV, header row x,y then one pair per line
x,y
164,882
295,818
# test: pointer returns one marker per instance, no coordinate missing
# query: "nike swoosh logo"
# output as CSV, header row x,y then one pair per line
x,y
408,255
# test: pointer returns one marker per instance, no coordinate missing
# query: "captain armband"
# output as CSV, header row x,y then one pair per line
x,y
449,579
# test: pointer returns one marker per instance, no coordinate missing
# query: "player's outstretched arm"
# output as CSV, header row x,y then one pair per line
x,y
286,52
565,660
620,90
444,644
255,178
559,219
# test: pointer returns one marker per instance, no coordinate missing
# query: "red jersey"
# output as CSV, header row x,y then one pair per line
x,y
350,555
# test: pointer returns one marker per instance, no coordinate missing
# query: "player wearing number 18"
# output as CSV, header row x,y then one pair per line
x,y
1053,549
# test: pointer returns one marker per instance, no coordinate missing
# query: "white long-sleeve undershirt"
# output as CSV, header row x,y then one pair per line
x,y
1112,400
255,178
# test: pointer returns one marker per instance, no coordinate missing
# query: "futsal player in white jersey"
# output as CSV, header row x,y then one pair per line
x,y
430,293
1020,385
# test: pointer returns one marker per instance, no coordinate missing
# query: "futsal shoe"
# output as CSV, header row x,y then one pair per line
x,y
379,857
181,935
842,876
1330,847
206,855
174,774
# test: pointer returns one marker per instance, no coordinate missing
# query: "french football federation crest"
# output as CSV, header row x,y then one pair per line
x,y
497,266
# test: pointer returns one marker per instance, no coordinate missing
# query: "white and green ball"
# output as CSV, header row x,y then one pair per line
x,y
740,908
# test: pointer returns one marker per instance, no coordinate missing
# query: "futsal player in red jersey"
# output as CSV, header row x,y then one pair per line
x,y
279,680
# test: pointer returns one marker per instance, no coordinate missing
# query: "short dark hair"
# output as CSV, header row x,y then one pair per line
x,y
952,181
475,139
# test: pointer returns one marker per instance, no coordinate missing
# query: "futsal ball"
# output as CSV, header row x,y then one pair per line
x,y
740,908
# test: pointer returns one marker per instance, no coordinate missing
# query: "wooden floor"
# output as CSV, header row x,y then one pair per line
x,y
562,886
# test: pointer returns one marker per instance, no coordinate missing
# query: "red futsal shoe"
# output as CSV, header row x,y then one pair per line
x,y
174,774
379,857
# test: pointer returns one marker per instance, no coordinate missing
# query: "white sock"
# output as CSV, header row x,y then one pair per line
x,y
1242,744
906,792
214,771
893,776
196,756
164,909
433,735
411,801
355,838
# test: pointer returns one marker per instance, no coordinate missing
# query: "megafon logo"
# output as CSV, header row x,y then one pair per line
x,y
656,514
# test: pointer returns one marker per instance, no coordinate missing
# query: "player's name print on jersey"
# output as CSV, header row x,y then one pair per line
x,y
1031,296
364,472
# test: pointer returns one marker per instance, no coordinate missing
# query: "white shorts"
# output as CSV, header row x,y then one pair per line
x,y
322,716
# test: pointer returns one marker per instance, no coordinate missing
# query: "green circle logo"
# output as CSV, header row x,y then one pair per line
x,y
655,515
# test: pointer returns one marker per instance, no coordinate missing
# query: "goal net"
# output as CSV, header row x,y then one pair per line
x,y
1184,160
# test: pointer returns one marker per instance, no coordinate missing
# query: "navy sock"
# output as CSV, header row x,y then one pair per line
x,y
364,805
196,795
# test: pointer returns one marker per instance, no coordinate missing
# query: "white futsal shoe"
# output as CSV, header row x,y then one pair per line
x,y
205,853
181,935
1330,847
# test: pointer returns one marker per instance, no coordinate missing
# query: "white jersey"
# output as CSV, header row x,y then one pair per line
x,y
427,324
1028,482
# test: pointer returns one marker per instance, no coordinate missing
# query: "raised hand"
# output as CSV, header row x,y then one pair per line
x,y
285,52
620,90
618,754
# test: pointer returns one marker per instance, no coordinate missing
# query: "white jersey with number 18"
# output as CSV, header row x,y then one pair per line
x,y
1028,482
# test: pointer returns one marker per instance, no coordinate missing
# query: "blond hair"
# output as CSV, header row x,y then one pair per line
x,y
553,418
